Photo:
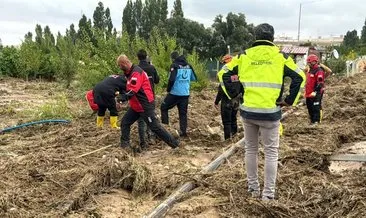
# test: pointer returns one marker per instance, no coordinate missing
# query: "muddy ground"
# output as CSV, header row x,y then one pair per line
x,y
43,172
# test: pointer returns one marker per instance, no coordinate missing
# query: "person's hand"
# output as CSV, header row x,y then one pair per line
x,y
313,94
282,104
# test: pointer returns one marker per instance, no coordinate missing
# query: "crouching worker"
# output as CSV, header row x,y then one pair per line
x,y
230,94
105,94
140,96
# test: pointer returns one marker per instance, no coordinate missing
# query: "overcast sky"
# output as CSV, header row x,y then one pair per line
x,y
319,18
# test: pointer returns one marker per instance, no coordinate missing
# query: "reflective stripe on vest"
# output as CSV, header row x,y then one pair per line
x,y
262,85
261,110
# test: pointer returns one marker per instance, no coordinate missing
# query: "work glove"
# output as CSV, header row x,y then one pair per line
x,y
235,102
121,98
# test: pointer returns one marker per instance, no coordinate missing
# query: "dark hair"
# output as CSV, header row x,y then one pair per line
x,y
264,31
141,54
174,55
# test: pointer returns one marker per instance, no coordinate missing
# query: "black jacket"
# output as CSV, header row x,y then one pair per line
x,y
151,72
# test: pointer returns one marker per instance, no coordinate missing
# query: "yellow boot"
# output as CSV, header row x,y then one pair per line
x,y
321,115
113,120
281,129
100,121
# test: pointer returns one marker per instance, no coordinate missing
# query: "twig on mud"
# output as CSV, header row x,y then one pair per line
x,y
232,198
191,176
92,152
302,192
297,172
334,213
121,180
57,183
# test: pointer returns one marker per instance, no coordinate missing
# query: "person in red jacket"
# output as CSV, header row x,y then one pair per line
x,y
314,89
140,96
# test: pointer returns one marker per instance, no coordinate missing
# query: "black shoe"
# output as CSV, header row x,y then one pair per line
x,y
183,134
125,144
143,146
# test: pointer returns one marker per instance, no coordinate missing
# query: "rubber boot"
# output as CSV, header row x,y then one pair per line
x,y
321,116
100,121
113,120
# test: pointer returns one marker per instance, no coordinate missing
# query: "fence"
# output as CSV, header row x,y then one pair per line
x,y
356,66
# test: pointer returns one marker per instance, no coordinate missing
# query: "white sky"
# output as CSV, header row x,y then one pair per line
x,y
319,18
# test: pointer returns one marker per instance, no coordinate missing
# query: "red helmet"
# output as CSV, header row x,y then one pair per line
x,y
312,58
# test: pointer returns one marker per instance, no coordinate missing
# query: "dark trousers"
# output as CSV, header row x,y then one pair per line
x,y
112,110
228,116
182,103
149,117
314,106
144,131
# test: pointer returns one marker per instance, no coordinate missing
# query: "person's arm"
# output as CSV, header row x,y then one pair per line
x,y
319,81
327,70
156,76
218,95
193,75
135,84
172,77
297,81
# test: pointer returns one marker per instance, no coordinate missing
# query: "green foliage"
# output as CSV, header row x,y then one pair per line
x,y
200,70
30,59
9,57
177,11
363,35
58,109
338,66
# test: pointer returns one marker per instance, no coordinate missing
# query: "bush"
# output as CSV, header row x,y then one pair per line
x,y
200,70
9,57
58,109
338,66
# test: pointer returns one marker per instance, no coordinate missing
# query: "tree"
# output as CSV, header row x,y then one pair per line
x,y
85,33
234,32
99,17
150,17
39,34
128,19
108,23
350,40
28,36
177,9
137,16
363,34
163,11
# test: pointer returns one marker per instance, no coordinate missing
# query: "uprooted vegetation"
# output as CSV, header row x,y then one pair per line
x,y
43,173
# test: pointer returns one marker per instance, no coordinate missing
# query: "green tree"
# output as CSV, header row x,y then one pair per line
x,y
350,40
28,36
363,35
30,59
177,9
108,23
128,19
163,11
39,34
233,32
9,58
151,14
137,16
99,17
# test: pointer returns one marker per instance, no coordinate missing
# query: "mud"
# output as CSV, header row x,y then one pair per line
x,y
42,174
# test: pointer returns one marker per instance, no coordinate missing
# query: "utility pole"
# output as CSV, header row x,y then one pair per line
x,y
298,27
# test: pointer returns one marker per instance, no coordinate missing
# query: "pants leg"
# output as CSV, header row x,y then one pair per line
x,y
316,108
101,110
251,134
128,119
182,111
141,129
113,110
154,125
168,103
226,119
271,141
310,106
234,122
